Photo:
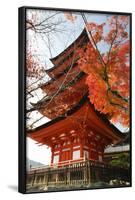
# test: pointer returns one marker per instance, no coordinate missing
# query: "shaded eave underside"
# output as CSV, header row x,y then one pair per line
x,y
56,78
72,111
72,82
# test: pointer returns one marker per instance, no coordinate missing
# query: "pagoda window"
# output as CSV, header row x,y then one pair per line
x,y
56,159
76,154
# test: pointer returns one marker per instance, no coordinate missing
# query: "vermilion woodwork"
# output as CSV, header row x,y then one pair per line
x,y
76,129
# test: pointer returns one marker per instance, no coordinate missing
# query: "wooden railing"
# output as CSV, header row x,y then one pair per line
x,y
79,173
60,164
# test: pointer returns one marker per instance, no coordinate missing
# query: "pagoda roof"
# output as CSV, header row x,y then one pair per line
x,y
79,76
96,120
64,98
64,79
63,54
59,75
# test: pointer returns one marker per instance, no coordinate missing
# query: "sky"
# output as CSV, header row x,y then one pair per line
x,y
58,41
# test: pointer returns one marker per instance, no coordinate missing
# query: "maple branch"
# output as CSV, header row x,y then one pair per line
x,y
48,18
61,87
106,65
45,26
31,95
32,90
31,125
31,25
67,74
113,103
91,38
119,105
100,57
50,98
35,82
113,40
118,95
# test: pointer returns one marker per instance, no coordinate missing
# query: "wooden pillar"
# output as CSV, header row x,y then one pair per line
x,y
81,149
56,178
68,176
44,179
60,152
45,182
47,178
71,150
89,172
35,180
84,172
52,156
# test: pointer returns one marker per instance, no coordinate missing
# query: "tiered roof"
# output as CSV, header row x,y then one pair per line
x,y
69,56
67,103
67,85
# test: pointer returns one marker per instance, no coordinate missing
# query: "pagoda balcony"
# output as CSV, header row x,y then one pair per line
x,y
74,174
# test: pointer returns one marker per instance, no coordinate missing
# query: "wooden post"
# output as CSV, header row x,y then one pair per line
x,y
44,179
35,180
85,172
89,172
71,150
56,178
52,156
60,152
47,178
68,176
81,150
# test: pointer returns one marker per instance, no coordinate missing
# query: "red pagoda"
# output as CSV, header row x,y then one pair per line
x,y
76,129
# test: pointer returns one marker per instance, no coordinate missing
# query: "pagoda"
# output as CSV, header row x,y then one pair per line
x,y
76,130
76,133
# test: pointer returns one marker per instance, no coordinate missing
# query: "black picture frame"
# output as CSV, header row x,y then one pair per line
x,y
22,94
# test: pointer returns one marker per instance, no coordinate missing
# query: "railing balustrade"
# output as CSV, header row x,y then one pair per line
x,y
79,173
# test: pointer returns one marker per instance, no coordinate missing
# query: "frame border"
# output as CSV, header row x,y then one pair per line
x,y
22,11
22,101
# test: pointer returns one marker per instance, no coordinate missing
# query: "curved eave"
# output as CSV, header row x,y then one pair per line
x,y
61,54
68,113
119,135
56,77
79,76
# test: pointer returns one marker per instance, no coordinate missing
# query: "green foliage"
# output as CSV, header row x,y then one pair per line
x,y
122,160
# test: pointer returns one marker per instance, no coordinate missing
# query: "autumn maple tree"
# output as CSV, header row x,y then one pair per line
x,y
105,59
109,71
34,70
38,26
